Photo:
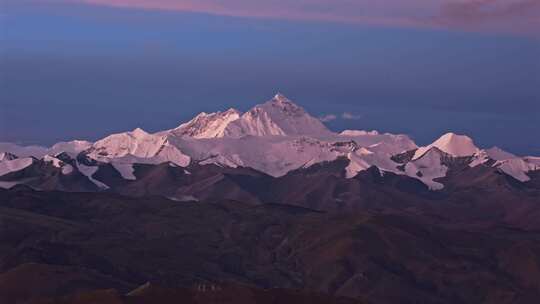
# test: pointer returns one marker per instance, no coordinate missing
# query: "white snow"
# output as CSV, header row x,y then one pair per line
x,y
89,171
364,158
55,161
72,148
170,153
15,165
184,198
508,163
519,167
358,133
430,167
126,170
274,137
495,153
278,116
137,143
137,146
66,168
535,161
7,156
23,151
274,155
207,125
389,143
451,143
8,185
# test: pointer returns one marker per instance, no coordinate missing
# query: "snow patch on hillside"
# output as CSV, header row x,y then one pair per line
x,y
89,171
15,165
126,170
427,168
66,168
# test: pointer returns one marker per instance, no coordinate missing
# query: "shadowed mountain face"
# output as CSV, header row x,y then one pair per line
x,y
406,253
480,193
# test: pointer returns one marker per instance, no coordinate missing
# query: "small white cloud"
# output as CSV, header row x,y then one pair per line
x,y
351,116
328,117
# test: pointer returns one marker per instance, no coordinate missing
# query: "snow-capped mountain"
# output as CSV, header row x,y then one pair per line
x,y
276,117
207,125
123,150
23,151
451,143
71,147
275,138
14,165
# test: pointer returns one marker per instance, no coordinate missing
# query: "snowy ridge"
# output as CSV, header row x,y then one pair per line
x,y
508,163
519,167
15,165
276,117
495,153
207,125
364,158
23,151
71,147
136,146
275,138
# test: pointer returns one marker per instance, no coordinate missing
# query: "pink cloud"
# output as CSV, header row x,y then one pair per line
x,y
512,16
499,15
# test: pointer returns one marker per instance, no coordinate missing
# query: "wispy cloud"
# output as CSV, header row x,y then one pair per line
x,y
350,116
344,115
515,16
501,15
328,117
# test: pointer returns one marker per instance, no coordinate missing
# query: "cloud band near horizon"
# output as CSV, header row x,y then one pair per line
x,y
507,16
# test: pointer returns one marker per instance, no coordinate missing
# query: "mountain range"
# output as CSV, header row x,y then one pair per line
x,y
268,206
275,138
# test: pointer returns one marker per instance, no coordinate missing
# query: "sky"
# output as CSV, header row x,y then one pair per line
x,y
83,69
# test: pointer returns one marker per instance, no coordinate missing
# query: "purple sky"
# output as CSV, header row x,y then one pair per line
x,y
86,68
514,16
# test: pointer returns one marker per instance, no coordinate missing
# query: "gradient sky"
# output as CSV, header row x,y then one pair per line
x,y
87,68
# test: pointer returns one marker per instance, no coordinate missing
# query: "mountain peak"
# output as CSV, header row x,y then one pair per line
x,y
458,145
282,102
138,132
451,143
280,97
277,117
